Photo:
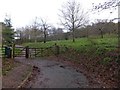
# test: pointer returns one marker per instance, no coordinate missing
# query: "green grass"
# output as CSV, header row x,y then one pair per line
x,y
81,42
88,46
61,42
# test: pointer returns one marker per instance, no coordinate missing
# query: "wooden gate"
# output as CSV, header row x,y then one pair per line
x,y
28,52
32,52
19,51
40,52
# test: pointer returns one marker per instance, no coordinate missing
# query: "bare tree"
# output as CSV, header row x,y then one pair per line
x,y
72,16
35,27
100,25
44,27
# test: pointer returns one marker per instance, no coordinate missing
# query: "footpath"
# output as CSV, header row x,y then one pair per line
x,y
15,76
54,74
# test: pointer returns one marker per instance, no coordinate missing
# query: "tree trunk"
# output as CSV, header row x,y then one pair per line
x,y
45,39
73,35
44,36
101,32
73,29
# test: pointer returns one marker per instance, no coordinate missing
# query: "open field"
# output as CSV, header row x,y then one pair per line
x,y
107,42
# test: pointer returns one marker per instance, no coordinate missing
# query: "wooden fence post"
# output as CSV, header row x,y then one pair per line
x,y
27,52
57,50
13,51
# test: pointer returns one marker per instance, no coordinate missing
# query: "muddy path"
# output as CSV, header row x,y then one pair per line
x,y
54,74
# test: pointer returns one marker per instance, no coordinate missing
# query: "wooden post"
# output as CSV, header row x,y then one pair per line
x,y
27,52
13,51
57,50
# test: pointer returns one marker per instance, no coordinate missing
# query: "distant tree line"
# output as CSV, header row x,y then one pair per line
x,y
99,28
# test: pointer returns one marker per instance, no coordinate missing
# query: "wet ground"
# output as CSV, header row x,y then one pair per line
x,y
54,74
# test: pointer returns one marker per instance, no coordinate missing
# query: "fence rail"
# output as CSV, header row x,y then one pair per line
x,y
29,52
40,52
2,52
19,51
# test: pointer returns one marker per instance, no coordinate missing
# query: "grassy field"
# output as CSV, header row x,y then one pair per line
x,y
86,46
91,47
108,42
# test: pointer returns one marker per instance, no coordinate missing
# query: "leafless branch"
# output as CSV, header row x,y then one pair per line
x,y
72,16
106,5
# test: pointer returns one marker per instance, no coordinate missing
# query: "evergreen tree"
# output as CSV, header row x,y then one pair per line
x,y
8,32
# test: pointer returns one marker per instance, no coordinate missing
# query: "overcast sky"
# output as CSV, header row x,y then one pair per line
x,y
23,12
